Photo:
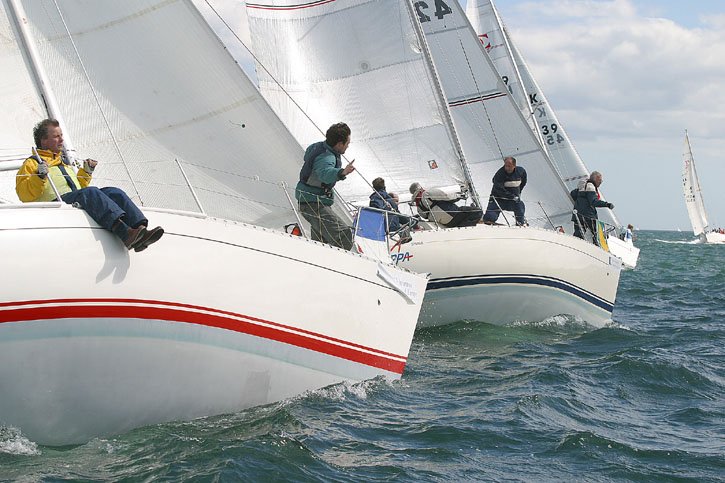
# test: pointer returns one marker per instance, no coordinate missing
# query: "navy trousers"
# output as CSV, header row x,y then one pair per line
x,y
106,206
492,210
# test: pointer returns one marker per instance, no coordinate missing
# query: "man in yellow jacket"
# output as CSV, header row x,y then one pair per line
x,y
46,176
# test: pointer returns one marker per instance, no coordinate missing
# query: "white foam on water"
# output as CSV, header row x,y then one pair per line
x,y
12,441
696,241
345,389
561,321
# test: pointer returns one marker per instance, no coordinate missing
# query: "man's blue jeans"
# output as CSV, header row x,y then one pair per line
x,y
106,206
492,210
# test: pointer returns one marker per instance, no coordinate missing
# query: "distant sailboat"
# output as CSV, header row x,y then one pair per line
x,y
693,199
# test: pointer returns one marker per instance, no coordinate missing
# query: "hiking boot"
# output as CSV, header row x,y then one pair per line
x,y
148,237
133,236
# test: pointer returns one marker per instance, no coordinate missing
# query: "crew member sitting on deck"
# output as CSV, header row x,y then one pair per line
x,y
47,174
438,206
383,200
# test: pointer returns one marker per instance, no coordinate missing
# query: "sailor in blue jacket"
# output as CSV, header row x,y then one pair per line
x,y
508,183
383,200
586,201
321,170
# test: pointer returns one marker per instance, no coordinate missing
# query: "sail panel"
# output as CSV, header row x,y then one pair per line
x,y
22,104
149,88
484,20
531,100
489,123
356,62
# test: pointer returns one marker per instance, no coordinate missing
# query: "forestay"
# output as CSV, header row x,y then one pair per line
x,y
531,100
488,121
693,194
137,78
359,62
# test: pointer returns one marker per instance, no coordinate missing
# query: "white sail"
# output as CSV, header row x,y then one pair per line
x,y
22,107
693,193
516,74
489,123
374,78
123,111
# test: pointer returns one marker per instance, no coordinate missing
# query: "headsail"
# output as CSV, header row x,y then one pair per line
x,y
513,69
488,121
359,62
135,90
693,194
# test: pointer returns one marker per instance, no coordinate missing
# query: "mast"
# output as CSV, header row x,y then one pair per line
x,y
442,101
17,13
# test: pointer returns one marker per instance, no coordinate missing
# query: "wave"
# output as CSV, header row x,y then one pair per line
x,y
13,442
696,241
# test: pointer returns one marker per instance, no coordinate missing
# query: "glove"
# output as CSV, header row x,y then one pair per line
x,y
89,165
42,169
610,206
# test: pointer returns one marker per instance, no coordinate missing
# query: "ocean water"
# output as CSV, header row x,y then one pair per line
x,y
642,400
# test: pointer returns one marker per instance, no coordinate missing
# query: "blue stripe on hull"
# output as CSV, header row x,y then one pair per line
x,y
453,282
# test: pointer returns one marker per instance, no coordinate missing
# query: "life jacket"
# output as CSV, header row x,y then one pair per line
x,y
61,180
307,174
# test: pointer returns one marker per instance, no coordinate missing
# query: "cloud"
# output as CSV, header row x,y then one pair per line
x,y
579,8
609,61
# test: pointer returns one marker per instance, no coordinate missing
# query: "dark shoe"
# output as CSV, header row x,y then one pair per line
x,y
405,239
149,237
133,236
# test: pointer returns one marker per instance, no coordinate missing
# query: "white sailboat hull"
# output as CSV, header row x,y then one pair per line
x,y
502,274
714,237
624,250
215,318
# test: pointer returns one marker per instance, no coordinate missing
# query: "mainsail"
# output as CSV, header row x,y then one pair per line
x,y
360,62
515,73
693,194
122,108
487,120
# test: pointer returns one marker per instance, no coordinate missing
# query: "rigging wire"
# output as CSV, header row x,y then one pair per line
x,y
97,100
289,96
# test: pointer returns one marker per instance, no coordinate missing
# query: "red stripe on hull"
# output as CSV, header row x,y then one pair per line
x,y
218,319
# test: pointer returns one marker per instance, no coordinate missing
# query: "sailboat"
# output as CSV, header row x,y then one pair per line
x,y
539,114
227,311
693,199
368,62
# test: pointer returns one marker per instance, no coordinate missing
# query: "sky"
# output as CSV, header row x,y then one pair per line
x,y
626,78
